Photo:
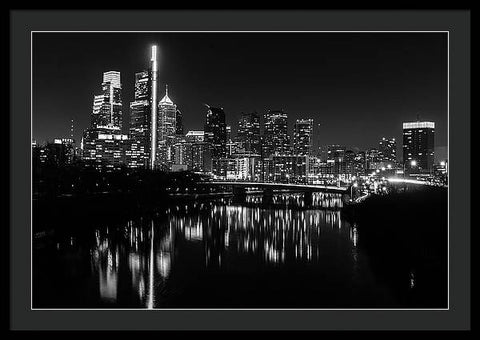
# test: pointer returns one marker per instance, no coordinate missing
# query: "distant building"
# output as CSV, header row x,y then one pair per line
x,y
290,168
60,152
276,140
336,157
248,135
388,151
216,132
360,163
374,159
350,168
104,149
182,152
195,136
179,123
303,137
200,160
418,147
198,148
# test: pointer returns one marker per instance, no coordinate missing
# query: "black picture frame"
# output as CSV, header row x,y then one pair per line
x,y
456,22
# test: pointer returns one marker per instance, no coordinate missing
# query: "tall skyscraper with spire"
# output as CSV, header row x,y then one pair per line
x,y
166,130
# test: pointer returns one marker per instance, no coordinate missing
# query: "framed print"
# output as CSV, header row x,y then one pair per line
x,y
242,170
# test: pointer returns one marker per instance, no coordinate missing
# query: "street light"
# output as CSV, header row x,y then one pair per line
x,y
413,163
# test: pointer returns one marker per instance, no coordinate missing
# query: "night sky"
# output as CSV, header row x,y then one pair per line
x,y
358,86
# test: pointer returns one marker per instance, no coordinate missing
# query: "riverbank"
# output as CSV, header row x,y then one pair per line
x,y
406,237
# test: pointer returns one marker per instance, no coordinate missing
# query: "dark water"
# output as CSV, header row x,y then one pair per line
x,y
212,255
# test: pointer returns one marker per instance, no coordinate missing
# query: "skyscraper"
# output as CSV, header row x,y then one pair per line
x,y
107,106
216,132
303,137
103,145
418,146
249,132
336,157
138,154
179,123
276,141
198,149
166,129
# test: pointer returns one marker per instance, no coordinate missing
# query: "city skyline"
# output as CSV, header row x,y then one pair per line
x,y
199,180
50,123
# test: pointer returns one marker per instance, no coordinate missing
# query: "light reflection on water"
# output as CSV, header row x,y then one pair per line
x,y
145,252
319,200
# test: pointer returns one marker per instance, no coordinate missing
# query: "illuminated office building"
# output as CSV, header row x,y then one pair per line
x,y
388,151
290,168
336,158
303,137
138,153
198,147
276,140
418,147
374,159
179,123
216,132
248,135
104,149
166,130
107,106
103,144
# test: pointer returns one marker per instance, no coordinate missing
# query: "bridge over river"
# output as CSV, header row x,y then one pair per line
x,y
241,189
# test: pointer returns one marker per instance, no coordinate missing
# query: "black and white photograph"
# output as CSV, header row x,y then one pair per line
x,y
240,170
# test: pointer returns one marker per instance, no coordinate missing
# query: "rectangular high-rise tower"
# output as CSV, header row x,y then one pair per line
x,y
249,132
107,106
275,132
138,155
216,132
418,146
303,137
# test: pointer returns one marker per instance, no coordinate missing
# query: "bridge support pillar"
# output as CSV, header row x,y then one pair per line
x,y
239,194
267,196
308,198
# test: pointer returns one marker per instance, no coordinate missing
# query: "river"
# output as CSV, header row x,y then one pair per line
x,y
215,254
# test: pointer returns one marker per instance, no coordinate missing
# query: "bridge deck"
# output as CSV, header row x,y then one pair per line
x,y
302,187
